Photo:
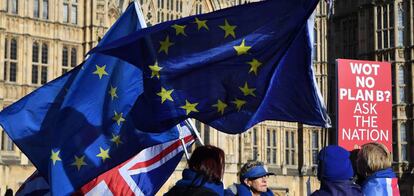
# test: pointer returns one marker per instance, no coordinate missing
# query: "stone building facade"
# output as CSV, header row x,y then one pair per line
x,y
381,30
42,39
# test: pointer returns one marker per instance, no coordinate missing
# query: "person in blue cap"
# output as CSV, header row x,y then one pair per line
x,y
253,181
335,173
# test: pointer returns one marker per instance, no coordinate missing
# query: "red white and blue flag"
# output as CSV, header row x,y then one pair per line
x,y
143,174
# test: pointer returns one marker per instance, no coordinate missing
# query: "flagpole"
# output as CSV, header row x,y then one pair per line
x,y
180,130
190,122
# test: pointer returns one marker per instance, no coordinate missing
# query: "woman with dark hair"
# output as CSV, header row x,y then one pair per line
x,y
203,177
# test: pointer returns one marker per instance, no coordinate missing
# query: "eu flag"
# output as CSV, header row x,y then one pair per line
x,y
230,69
79,125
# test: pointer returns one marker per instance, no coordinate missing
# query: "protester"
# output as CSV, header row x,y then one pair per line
x,y
253,181
335,173
374,164
203,177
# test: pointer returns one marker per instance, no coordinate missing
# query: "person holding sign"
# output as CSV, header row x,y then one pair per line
x,y
335,173
374,164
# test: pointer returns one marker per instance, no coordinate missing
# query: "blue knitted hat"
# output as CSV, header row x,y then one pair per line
x,y
334,164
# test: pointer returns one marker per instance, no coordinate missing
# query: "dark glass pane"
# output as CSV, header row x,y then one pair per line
x,y
403,152
64,71
44,75
13,71
65,57
403,133
44,53
287,139
14,7
254,136
35,74
13,49
45,9
6,47
36,8
274,155
65,12
315,157
35,53
74,14
73,57
269,158
274,138
255,153
379,15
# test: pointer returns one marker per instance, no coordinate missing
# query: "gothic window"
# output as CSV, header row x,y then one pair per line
x,y
10,60
290,147
271,146
70,11
68,63
39,63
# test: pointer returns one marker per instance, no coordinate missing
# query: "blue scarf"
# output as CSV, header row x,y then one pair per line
x,y
194,179
244,190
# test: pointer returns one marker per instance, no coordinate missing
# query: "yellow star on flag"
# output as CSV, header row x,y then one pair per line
x,y
228,29
100,71
189,107
155,70
164,45
220,106
239,103
79,162
103,154
247,91
165,94
179,29
201,24
118,118
254,65
112,92
242,49
116,139
55,156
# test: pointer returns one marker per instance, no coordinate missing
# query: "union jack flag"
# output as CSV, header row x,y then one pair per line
x,y
143,174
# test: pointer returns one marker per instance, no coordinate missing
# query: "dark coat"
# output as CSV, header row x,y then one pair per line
x,y
338,188
243,190
193,183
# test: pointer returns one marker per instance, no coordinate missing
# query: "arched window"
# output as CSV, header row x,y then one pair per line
x,y
39,63
10,60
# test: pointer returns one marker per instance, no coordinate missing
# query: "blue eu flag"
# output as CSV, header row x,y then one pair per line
x,y
230,69
80,125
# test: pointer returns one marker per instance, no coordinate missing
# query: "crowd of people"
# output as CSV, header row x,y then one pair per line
x,y
369,173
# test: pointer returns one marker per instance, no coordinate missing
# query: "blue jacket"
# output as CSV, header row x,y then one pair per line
x,y
243,190
381,183
338,188
193,183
